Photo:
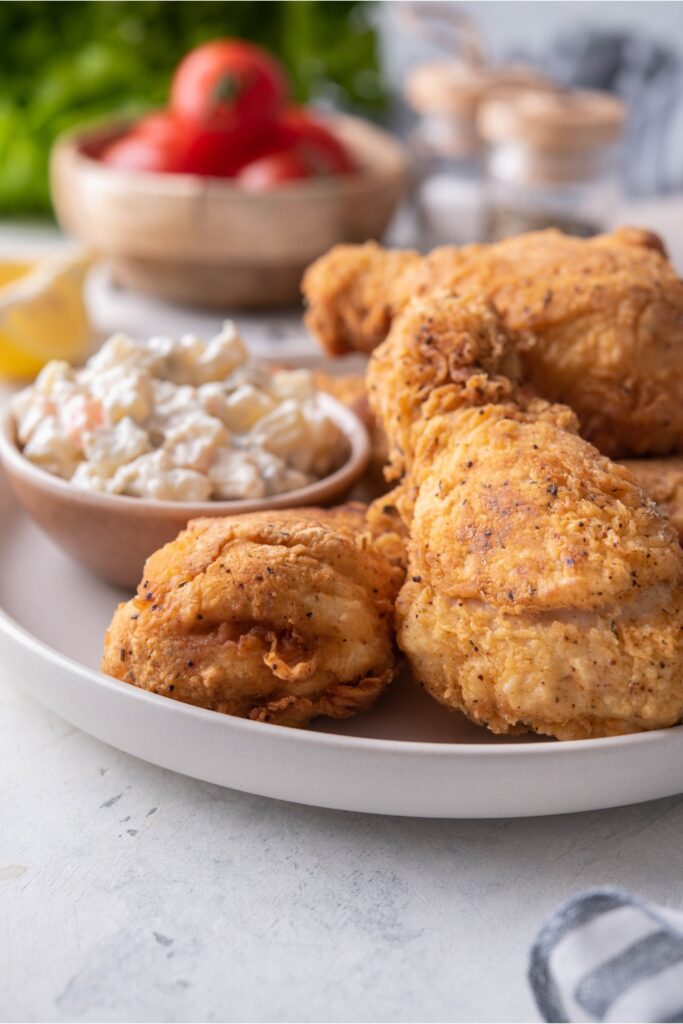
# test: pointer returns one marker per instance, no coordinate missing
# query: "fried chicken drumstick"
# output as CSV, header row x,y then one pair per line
x,y
544,592
661,479
606,314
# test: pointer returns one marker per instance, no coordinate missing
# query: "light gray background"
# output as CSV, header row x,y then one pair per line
x,y
514,26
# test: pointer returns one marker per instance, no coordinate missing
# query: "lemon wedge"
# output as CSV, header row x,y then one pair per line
x,y
43,314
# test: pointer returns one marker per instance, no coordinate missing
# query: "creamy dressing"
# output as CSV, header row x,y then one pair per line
x,y
178,420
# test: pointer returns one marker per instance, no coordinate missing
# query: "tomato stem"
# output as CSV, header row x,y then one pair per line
x,y
227,89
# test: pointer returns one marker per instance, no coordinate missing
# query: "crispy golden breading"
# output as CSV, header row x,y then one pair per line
x,y
544,591
277,617
662,480
387,525
606,312
354,292
458,355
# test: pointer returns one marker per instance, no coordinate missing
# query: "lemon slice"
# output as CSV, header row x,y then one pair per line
x,y
43,314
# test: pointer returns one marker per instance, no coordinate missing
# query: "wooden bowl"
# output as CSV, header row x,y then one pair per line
x,y
207,241
113,534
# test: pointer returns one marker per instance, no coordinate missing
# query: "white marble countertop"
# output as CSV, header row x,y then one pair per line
x,y
128,893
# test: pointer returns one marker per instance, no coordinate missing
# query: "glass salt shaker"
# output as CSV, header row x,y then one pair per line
x,y
445,146
552,160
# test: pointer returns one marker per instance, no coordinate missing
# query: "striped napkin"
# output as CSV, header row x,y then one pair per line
x,y
608,956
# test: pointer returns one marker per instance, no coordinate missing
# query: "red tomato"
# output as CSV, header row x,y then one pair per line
x,y
273,170
138,152
230,86
299,146
161,142
213,154
315,143
159,125
199,151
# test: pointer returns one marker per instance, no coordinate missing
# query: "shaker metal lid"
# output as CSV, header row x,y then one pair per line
x,y
457,87
559,120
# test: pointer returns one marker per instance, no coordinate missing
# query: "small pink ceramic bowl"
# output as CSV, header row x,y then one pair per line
x,y
113,535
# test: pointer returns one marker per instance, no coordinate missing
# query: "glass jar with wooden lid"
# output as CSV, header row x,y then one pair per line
x,y
446,149
445,146
552,160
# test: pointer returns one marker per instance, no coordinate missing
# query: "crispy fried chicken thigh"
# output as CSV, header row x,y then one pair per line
x,y
544,592
276,617
606,313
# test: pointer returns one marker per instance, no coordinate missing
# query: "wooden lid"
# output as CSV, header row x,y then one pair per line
x,y
562,121
457,87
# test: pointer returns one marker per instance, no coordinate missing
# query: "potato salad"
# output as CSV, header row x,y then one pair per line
x,y
178,420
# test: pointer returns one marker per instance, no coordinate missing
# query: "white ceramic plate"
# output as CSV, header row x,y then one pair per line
x,y
407,756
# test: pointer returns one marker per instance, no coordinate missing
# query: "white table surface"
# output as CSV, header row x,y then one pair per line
x,y
128,893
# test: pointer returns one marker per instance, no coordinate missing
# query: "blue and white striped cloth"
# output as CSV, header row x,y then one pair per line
x,y
607,956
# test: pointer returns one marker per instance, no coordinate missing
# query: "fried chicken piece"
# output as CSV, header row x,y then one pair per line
x,y
544,591
460,354
387,524
275,617
353,293
662,480
552,599
606,313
